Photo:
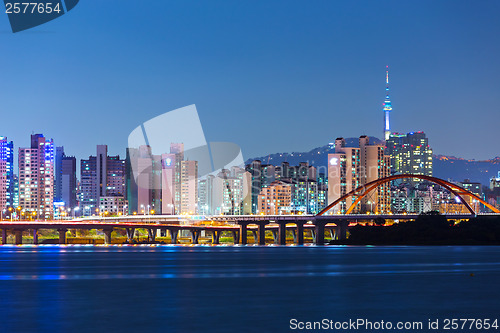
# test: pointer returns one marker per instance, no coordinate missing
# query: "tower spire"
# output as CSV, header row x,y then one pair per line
x,y
387,106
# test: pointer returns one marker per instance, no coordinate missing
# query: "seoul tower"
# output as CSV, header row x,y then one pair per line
x,y
387,107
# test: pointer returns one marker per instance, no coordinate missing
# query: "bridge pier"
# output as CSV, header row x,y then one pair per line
x,y
173,235
282,233
62,235
275,236
35,236
4,236
313,235
342,229
299,238
243,232
261,231
333,233
195,235
130,234
19,237
236,237
216,236
320,232
152,235
107,236
255,237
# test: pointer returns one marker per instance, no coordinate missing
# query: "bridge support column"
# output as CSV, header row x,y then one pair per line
x,y
19,237
4,236
282,233
130,234
173,235
342,229
107,236
255,237
216,236
262,233
152,235
320,232
243,233
195,235
332,233
275,236
236,237
35,236
313,235
62,235
299,239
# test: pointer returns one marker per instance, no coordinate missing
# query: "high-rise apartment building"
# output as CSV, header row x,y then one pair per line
x,y
275,199
410,154
189,188
163,183
59,153
226,193
36,177
352,167
308,190
7,192
101,176
65,190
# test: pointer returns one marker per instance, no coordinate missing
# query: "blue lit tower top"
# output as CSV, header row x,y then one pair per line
x,y
387,107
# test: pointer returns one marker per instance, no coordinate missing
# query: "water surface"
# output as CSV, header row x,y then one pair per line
x,y
239,289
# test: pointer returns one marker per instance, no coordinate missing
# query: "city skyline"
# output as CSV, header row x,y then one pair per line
x,y
249,78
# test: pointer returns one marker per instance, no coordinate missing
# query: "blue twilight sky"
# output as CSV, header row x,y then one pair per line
x,y
271,76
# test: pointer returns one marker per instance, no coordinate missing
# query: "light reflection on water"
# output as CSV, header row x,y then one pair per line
x,y
254,289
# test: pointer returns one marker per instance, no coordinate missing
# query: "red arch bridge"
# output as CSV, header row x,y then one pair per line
x,y
238,226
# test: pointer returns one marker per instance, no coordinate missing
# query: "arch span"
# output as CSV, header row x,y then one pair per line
x,y
362,191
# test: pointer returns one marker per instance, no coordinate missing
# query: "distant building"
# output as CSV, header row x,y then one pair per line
x,y
59,153
495,182
112,205
36,177
101,176
350,168
226,193
494,196
420,199
410,154
309,191
188,203
308,187
7,188
65,179
275,199
473,187
255,170
164,183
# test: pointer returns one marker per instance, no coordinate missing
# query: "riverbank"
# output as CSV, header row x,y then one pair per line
x,y
428,229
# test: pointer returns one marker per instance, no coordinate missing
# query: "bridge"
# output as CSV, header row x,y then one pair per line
x,y
239,225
